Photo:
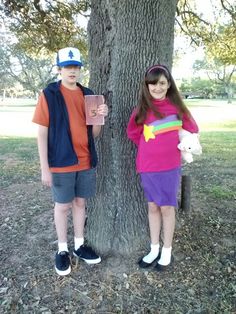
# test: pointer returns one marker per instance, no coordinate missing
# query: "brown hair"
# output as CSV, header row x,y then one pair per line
x,y
145,104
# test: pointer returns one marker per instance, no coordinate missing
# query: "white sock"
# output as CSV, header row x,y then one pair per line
x,y
62,246
78,242
152,255
165,256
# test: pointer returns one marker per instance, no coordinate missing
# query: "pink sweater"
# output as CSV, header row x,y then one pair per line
x,y
157,139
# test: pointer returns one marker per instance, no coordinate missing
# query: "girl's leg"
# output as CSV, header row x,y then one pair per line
x,y
168,222
60,219
78,213
154,217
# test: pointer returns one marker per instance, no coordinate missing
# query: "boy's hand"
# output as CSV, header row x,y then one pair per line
x,y
46,178
102,110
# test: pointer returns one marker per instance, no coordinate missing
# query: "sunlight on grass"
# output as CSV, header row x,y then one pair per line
x,y
17,102
219,127
220,192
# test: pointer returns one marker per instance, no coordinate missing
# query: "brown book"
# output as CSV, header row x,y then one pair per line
x,y
91,106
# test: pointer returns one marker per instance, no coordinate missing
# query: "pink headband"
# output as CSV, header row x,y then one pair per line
x,y
157,66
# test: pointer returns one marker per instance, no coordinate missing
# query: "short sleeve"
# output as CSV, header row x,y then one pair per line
x,y
41,113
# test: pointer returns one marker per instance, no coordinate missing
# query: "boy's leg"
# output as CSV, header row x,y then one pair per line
x,y
60,219
82,251
78,213
62,261
63,193
85,188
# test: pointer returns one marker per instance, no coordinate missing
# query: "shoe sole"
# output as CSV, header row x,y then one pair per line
x,y
89,261
143,264
162,268
63,272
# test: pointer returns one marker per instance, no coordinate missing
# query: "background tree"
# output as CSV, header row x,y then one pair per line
x,y
18,67
216,33
197,87
40,28
125,37
46,26
222,76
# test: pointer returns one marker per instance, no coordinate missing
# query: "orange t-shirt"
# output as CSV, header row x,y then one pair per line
x,y
74,100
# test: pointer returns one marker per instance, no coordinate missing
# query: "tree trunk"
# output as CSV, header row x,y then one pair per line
x,y
125,37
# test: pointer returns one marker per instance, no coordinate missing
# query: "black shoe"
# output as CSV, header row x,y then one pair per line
x,y
87,254
143,264
160,267
62,263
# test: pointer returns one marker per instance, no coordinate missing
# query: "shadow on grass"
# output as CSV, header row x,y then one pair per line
x,y
18,161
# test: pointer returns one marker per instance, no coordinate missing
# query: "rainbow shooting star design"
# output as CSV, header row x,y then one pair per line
x,y
169,123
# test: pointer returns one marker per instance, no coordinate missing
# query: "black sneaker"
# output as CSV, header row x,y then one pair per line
x,y
87,254
62,263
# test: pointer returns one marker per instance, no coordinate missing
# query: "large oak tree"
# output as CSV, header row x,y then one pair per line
x,y
125,37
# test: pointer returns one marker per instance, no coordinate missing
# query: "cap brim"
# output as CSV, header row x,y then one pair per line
x,y
65,63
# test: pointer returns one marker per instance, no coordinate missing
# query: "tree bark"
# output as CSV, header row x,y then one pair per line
x,y
186,194
125,37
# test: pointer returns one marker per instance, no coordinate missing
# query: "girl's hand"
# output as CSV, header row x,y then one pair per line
x,y
102,110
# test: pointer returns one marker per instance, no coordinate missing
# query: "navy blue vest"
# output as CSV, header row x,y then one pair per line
x,y
60,149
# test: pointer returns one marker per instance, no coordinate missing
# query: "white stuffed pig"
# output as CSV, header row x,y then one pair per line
x,y
189,145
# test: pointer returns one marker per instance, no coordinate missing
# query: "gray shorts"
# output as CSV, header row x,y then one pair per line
x,y
66,186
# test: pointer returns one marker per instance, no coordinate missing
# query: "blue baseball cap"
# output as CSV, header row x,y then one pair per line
x,y
68,56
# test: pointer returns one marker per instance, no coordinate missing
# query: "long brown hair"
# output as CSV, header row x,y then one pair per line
x,y
145,104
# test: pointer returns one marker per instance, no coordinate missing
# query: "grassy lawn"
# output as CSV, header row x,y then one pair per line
x,y
204,247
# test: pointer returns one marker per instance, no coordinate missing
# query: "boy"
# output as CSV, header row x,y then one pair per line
x,y
67,154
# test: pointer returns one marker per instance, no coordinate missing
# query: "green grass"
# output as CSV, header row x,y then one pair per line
x,y
220,143
219,192
18,160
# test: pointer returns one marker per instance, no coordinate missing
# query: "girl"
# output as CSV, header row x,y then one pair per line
x,y
153,127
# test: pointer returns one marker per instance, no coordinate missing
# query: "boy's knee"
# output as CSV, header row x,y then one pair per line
x,y
62,207
79,202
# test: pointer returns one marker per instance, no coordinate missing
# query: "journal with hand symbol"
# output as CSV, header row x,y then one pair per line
x,y
91,106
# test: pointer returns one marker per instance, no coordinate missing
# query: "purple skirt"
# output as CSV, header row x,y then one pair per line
x,y
162,187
